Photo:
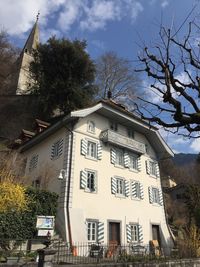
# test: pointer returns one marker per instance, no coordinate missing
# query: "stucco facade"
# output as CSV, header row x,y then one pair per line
x,y
111,191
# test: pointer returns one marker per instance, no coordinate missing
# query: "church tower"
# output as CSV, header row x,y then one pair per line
x,y
25,58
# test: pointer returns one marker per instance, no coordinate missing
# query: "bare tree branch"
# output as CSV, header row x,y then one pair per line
x,y
173,69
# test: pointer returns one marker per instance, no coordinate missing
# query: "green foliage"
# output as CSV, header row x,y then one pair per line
x,y
22,225
63,73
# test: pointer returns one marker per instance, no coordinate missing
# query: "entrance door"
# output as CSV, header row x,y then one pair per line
x,y
156,233
114,233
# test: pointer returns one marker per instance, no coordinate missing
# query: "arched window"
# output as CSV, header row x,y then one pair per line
x,y
91,127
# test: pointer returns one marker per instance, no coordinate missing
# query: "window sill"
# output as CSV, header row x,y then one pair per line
x,y
156,204
120,196
119,166
136,198
153,176
94,159
133,170
90,191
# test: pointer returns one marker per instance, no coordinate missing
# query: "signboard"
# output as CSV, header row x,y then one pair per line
x,y
45,232
44,225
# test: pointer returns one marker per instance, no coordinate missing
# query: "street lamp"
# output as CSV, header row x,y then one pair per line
x,y
62,174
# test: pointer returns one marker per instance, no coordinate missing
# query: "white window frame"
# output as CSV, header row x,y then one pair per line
x,y
131,157
91,127
92,231
152,168
119,157
138,193
88,188
134,232
155,195
120,186
90,153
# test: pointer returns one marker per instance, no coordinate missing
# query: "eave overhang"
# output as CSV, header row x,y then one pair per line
x,y
117,114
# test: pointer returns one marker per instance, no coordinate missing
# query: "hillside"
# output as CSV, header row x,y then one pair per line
x,y
17,113
182,159
183,168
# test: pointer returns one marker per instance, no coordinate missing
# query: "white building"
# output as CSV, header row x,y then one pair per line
x,y
111,192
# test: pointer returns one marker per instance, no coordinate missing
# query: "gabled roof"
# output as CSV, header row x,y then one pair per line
x,y
115,112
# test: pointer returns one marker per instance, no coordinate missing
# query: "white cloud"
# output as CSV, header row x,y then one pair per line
x,y
17,17
99,44
99,14
195,145
136,9
70,14
164,3
151,94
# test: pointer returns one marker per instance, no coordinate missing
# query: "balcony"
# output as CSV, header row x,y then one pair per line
x,y
109,136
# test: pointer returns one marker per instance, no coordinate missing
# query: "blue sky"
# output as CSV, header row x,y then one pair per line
x,y
123,26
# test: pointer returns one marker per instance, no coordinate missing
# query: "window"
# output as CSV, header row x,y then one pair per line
x,y
120,186
36,184
113,126
33,162
130,133
133,161
134,232
91,180
92,149
137,189
92,231
91,127
56,149
155,195
88,180
152,168
119,157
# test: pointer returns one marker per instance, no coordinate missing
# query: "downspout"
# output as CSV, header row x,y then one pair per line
x,y
68,188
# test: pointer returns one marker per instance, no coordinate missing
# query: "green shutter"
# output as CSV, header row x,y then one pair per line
x,y
113,185
113,155
83,177
83,147
126,160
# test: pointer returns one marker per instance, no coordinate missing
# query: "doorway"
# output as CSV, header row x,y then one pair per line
x,y
114,233
156,233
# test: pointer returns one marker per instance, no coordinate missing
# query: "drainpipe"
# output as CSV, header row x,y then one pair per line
x,y
68,187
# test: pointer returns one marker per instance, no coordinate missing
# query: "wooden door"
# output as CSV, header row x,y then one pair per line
x,y
156,233
114,233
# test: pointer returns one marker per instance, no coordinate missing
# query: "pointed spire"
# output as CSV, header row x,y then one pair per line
x,y
33,39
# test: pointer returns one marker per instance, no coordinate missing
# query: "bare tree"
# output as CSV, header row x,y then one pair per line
x,y
173,69
8,56
116,75
12,166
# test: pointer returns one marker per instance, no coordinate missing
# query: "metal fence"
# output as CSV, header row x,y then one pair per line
x,y
84,253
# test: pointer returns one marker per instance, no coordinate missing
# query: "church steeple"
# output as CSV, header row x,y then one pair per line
x,y
33,39
26,56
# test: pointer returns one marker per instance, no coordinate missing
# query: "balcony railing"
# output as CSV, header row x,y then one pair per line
x,y
109,136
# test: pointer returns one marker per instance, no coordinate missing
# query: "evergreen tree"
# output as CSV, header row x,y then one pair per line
x,y
63,75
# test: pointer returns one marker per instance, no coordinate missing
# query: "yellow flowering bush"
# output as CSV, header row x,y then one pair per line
x,y
12,194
